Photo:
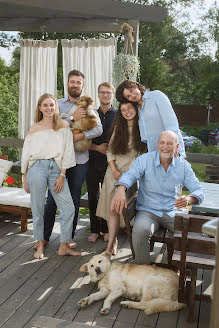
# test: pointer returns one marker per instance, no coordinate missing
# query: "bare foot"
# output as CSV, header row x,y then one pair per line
x,y
106,237
93,237
72,244
115,245
39,252
65,250
45,244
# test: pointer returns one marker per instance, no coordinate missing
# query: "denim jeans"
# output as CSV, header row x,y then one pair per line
x,y
75,177
41,174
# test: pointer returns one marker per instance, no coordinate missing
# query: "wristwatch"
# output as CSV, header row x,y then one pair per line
x,y
71,118
62,175
189,201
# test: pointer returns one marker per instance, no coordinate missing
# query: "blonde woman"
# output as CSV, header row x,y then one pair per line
x,y
48,151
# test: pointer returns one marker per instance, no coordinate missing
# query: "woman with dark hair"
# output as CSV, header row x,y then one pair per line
x,y
155,113
124,146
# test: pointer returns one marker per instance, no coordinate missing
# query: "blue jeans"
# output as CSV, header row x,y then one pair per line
x,y
41,174
75,177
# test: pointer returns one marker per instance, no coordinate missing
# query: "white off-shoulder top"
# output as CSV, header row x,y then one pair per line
x,y
48,144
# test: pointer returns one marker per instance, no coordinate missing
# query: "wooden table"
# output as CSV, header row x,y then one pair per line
x,y
211,202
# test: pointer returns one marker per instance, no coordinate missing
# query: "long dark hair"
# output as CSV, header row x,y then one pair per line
x,y
127,85
120,141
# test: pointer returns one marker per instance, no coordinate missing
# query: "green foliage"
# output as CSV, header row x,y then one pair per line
x,y
9,95
18,180
125,67
197,130
199,170
204,149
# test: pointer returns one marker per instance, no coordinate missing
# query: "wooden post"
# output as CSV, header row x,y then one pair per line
x,y
135,25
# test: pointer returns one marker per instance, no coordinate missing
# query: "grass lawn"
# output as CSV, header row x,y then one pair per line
x,y
199,170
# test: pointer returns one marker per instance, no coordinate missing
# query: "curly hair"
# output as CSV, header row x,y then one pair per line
x,y
120,141
127,85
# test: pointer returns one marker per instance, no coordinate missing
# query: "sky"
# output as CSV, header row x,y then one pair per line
x,y
192,15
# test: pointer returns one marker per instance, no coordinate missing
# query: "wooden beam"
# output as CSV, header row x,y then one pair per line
x,y
63,25
135,25
6,142
203,158
98,9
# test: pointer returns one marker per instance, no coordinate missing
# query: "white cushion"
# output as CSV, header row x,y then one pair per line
x,y
14,196
5,166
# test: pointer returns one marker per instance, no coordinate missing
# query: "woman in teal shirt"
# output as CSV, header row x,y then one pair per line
x,y
155,113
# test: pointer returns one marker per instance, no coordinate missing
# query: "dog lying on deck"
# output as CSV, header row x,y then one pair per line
x,y
150,288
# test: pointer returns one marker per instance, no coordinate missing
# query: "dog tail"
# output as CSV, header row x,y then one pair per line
x,y
162,305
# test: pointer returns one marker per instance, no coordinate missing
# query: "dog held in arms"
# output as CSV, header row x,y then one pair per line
x,y
150,288
84,124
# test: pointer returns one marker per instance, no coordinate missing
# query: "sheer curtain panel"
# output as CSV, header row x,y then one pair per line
x,y
38,74
92,57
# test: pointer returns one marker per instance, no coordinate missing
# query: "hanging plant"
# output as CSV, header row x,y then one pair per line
x,y
125,65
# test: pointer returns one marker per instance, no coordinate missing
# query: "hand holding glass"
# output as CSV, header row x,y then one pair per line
x,y
178,194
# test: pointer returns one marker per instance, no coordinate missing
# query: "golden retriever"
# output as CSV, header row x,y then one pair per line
x,y
150,288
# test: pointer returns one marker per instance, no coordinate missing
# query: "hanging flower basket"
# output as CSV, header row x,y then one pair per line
x,y
125,67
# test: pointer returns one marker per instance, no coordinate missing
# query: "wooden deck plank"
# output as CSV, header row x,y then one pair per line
x,y
147,320
23,265
32,289
46,322
12,222
167,319
32,295
205,308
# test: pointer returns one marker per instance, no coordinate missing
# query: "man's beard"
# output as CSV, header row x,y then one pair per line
x,y
74,92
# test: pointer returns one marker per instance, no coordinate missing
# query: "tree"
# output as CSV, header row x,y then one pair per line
x,y
9,95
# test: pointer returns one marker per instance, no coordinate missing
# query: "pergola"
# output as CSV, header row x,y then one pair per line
x,y
75,16
72,16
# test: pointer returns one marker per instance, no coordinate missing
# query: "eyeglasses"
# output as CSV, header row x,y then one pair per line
x,y
108,93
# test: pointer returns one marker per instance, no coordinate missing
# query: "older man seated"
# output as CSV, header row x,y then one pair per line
x,y
158,173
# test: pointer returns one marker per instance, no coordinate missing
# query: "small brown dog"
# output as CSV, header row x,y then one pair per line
x,y
84,124
154,289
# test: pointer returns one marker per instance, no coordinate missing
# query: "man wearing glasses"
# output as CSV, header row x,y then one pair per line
x,y
98,160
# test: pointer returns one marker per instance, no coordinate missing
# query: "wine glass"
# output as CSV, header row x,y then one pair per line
x,y
178,194
178,191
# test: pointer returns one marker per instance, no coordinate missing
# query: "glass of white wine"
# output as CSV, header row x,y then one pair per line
x,y
178,194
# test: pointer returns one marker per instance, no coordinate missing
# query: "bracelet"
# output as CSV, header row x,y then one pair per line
x,y
62,175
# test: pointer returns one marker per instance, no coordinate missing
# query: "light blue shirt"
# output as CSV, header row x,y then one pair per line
x,y
65,106
155,116
156,192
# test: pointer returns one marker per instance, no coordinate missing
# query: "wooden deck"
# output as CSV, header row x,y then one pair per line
x,y
44,293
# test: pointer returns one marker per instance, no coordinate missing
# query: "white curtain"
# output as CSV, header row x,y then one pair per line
x,y
38,74
92,57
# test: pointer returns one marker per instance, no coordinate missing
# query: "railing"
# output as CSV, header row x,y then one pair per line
x,y
191,157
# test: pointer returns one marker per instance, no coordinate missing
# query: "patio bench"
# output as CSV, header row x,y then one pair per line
x,y
213,172
15,200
